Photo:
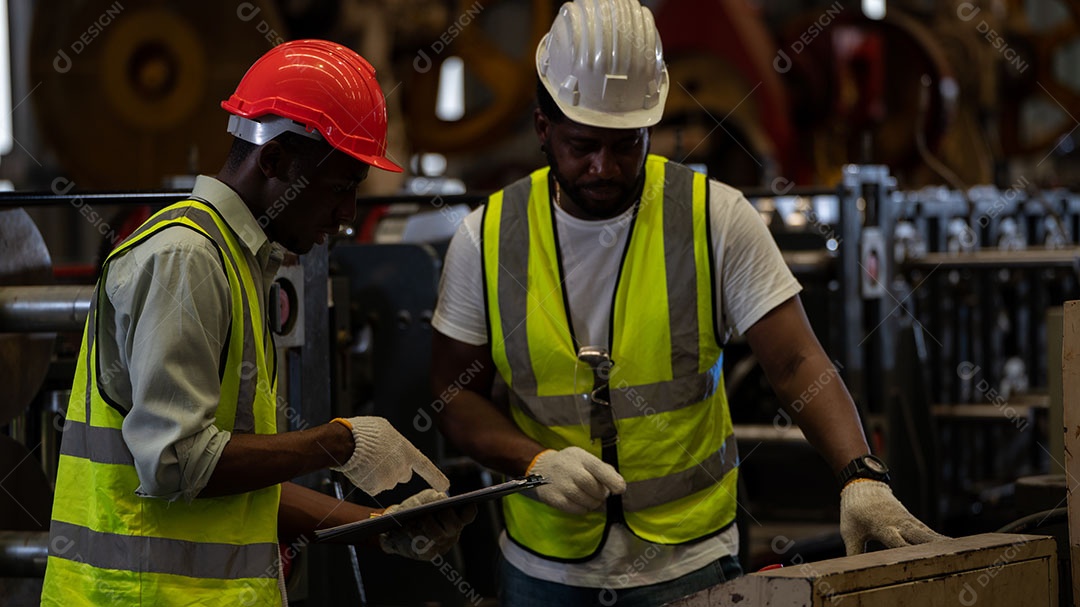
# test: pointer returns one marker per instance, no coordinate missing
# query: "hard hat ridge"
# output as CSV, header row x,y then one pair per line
x,y
603,64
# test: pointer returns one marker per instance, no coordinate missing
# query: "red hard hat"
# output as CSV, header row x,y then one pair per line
x,y
326,88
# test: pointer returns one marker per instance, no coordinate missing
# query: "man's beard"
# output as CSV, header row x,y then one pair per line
x,y
626,196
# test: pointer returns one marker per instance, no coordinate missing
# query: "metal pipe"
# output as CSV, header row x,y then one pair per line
x,y
994,259
165,197
44,309
23,553
38,199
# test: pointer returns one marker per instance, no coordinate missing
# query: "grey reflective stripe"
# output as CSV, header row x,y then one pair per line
x,y
681,269
641,495
244,421
96,443
681,272
564,410
664,397
91,332
627,401
513,293
160,555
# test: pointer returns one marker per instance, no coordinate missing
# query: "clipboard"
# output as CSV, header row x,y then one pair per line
x,y
354,532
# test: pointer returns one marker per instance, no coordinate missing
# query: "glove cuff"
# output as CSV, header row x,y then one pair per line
x,y
862,487
536,458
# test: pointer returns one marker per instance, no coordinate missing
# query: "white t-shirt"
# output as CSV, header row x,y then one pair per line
x,y
753,279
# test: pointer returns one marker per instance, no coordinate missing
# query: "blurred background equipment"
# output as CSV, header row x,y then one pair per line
x,y
127,92
916,162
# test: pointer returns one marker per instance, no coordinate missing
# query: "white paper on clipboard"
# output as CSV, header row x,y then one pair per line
x,y
359,530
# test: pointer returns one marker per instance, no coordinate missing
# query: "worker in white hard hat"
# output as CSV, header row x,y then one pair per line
x,y
601,290
173,480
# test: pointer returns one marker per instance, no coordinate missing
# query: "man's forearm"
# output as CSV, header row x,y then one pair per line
x,y
807,383
476,426
253,461
462,376
303,510
817,400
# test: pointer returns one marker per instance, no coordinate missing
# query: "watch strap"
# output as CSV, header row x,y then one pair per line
x,y
866,467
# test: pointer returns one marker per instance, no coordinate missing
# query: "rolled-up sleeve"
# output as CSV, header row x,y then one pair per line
x,y
172,309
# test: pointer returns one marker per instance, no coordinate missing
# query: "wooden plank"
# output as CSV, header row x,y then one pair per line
x,y
1070,397
850,573
1007,586
1055,421
926,568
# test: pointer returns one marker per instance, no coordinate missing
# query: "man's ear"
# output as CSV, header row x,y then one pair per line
x,y
542,124
273,160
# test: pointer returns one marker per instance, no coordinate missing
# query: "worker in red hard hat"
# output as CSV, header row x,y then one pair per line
x,y
172,485
308,105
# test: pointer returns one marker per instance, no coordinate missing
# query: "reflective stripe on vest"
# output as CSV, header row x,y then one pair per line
x,y
110,546
676,448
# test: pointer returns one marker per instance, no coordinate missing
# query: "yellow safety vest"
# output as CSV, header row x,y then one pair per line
x,y
675,445
107,545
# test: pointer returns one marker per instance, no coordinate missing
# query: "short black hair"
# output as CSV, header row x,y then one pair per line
x,y
238,153
547,103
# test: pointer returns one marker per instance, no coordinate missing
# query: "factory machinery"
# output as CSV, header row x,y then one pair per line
x,y
932,303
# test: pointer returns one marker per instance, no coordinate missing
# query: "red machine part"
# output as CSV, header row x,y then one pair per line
x,y
733,31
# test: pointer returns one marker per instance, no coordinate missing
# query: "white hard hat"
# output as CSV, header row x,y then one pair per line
x,y
603,64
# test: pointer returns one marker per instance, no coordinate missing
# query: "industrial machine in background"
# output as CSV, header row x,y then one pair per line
x,y
933,300
931,303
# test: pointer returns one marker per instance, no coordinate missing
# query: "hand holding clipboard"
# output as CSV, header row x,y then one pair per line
x,y
359,530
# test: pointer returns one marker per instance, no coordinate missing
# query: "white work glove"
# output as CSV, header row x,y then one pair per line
x,y
382,458
425,538
870,511
578,482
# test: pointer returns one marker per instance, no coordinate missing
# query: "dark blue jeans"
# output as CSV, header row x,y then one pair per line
x,y
519,590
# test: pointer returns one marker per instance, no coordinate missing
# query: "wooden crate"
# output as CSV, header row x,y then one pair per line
x,y
988,570
1070,397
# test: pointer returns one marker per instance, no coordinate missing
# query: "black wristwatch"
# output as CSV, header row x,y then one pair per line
x,y
864,466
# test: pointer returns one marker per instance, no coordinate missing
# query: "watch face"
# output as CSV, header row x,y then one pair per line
x,y
875,465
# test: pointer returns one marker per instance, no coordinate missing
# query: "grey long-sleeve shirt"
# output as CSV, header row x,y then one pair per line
x,y
162,329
